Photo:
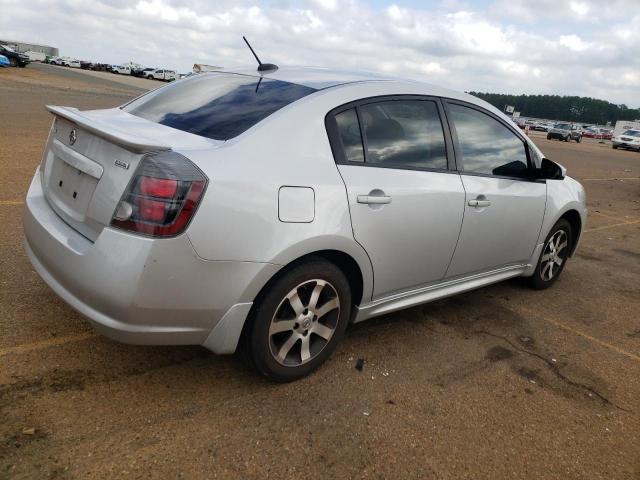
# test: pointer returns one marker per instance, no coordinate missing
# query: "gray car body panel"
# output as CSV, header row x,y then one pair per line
x,y
199,287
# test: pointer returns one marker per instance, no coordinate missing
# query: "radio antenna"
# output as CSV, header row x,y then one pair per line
x,y
262,67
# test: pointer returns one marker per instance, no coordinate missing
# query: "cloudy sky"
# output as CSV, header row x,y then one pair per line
x,y
567,47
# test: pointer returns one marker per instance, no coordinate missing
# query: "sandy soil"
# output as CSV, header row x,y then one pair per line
x,y
502,382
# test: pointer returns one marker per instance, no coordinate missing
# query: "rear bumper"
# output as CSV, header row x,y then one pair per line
x,y
140,290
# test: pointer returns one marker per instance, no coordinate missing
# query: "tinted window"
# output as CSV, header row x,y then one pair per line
x,y
217,106
404,133
487,145
349,131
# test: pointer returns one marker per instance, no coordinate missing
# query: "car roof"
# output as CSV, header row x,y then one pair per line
x,y
313,77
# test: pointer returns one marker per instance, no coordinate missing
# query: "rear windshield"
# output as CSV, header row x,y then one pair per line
x,y
217,106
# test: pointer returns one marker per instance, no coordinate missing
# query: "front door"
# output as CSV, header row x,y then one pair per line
x,y
406,205
504,205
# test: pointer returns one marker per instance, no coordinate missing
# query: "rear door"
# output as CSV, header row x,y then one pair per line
x,y
406,203
504,204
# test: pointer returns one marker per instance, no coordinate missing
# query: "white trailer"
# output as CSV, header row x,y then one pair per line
x,y
35,56
624,125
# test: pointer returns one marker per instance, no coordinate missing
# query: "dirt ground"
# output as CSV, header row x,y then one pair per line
x,y
502,382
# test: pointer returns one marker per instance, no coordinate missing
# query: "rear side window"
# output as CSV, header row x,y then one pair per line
x,y
404,133
488,146
395,133
349,132
217,106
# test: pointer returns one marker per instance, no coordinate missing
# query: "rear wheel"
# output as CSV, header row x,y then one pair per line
x,y
578,139
554,256
548,136
13,62
615,147
298,322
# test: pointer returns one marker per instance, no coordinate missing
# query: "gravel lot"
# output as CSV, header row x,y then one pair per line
x,y
502,382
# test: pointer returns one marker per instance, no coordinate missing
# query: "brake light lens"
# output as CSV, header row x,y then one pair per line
x,y
162,197
158,187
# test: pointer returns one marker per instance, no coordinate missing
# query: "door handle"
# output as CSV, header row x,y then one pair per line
x,y
479,203
374,200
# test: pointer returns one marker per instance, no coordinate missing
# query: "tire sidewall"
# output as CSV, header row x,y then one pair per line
x,y
258,333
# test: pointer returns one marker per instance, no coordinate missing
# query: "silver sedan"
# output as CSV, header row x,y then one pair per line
x,y
268,210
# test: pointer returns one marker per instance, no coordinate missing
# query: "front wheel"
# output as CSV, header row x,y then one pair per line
x,y
548,136
615,147
554,256
578,139
298,322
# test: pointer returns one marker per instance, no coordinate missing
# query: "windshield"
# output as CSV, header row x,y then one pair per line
x,y
632,133
9,49
217,106
563,126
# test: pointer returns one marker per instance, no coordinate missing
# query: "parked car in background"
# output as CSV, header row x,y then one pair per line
x,y
86,65
253,210
540,127
589,133
73,63
122,69
16,59
564,131
629,140
161,74
142,71
4,61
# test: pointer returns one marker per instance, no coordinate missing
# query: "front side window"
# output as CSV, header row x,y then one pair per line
x,y
487,146
404,133
216,106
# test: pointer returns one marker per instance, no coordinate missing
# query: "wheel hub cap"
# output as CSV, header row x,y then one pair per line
x,y
553,256
304,322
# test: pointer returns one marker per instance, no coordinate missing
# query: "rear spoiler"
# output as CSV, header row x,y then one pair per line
x,y
131,142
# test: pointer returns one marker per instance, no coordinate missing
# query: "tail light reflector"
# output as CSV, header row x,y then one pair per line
x,y
162,197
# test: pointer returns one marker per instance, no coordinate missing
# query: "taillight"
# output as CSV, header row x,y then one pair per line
x,y
162,196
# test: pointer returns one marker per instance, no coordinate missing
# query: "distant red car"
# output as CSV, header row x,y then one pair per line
x,y
597,133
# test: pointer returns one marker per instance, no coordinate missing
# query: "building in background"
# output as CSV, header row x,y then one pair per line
x,y
24,47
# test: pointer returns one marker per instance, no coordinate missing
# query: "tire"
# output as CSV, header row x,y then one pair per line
x,y
578,139
275,338
547,270
567,138
615,147
13,62
548,136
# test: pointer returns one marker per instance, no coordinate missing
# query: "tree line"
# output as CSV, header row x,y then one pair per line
x,y
556,107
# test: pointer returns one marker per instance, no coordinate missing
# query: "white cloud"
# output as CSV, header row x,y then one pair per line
x,y
577,47
573,42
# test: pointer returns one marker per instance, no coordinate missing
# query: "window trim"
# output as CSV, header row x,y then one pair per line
x,y
337,147
458,149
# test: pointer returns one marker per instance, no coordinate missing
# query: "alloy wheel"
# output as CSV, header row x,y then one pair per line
x,y
554,255
304,322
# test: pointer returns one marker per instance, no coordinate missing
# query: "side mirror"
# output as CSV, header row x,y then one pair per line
x,y
550,170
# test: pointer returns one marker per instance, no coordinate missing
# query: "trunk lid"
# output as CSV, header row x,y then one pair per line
x,y
91,157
